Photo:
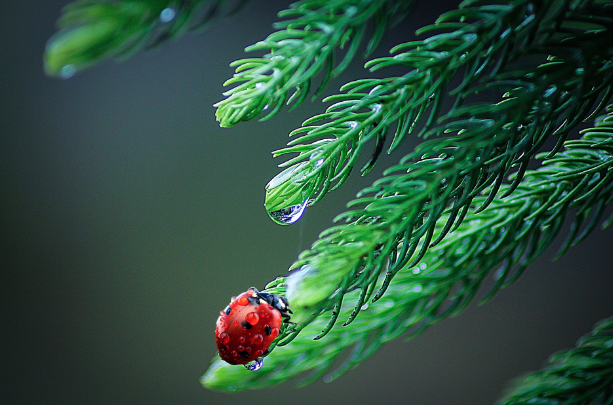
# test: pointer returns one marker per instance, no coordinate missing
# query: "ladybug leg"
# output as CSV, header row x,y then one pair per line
x,y
286,318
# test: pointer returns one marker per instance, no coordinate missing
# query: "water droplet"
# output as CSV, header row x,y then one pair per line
x,y
252,318
416,270
365,306
423,266
265,107
240,348
255,365
167,15
284,176
295,278
314,155
498,273
328,378
550,91
224,337
244,300
289,215
67,71
257,339
418,288
258,85
241,339
248,349
234,354
275,332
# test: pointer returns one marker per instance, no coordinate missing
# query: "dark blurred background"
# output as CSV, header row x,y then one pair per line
x,y
129,218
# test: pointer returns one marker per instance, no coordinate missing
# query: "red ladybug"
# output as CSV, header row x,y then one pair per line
x,y
248,326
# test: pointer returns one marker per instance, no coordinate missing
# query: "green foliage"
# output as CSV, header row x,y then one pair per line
x,y
501,240
304,46
472,149
369,108
94,30
579,376
416,246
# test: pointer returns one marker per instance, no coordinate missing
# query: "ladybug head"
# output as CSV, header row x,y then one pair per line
x,y
276,301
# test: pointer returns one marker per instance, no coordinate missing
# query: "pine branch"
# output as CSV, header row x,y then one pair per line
x,y
444,174
95,30
508,235
478,38
579,376
303,47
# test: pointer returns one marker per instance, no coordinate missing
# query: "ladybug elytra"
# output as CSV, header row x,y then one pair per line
x,y
249,325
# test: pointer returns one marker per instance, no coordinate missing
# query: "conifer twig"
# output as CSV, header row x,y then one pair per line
x,y
304,46
444,174
95,30
579,376
503,239
480,38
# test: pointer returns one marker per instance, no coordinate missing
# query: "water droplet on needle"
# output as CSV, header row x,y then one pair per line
x,y
255,365
288,215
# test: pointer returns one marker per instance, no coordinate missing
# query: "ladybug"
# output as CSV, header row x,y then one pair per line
x,y
248,326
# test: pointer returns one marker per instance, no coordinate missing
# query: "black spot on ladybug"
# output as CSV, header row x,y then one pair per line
x,y
246,325
268,330
244,354
228,310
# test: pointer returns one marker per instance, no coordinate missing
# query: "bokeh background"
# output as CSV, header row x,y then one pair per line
x,y
129,218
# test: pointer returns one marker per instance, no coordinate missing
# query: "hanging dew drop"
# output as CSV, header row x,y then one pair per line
x,y
255,365
289,215
167,15
315,154
67,71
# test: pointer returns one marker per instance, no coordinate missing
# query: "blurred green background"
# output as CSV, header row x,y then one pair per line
x,y
129,218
